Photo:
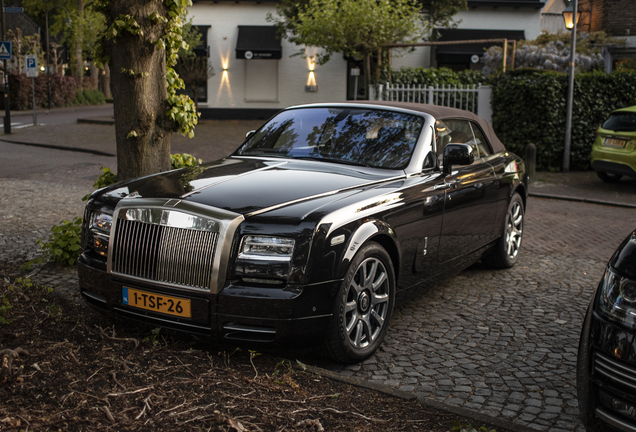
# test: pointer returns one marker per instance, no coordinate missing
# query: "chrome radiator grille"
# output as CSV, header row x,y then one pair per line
x,y
163,253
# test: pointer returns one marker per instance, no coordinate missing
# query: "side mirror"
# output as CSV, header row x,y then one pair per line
x,y
249,134
457,154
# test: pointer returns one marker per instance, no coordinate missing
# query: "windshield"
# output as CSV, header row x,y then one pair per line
x,y
364,137
621,121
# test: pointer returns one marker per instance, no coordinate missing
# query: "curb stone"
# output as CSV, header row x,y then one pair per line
x,y
56,147
584,200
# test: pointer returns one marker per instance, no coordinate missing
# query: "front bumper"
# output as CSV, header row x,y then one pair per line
x,y
606,376
291,316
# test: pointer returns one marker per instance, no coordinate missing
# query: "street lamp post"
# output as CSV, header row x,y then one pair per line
x,y
48,49
571,18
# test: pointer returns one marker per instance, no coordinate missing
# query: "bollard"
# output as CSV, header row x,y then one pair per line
x,y
531,162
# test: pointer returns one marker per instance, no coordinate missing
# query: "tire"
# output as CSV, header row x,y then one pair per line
x,y
609,177
363,306
506,251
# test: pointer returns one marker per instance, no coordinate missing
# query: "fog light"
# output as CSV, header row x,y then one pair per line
x,y
100,245
626,409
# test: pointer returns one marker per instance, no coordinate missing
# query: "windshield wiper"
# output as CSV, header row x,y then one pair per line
x,y
340,161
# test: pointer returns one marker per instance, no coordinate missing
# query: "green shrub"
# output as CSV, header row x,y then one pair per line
x,y
431,77
531,108
89,97
63,245
183,160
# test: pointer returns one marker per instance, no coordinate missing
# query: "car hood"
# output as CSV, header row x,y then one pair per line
x,y
252,185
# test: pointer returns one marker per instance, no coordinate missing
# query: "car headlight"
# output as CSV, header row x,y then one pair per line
x,y
265,259
265,247
617,300
101,222
99,230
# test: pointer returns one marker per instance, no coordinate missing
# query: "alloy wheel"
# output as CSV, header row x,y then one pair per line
x,y
367,304
515,229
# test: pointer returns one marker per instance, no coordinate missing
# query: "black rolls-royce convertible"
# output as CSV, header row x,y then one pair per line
x,y
304,234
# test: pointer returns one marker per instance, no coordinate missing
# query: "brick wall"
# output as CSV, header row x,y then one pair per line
x,y
619,16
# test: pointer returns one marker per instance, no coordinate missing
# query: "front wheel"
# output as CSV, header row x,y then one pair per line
x,y
363,306
506,251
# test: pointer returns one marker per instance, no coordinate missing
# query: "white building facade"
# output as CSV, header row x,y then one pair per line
x,y
256,75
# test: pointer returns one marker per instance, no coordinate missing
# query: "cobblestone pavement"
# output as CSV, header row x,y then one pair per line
x,y
504,343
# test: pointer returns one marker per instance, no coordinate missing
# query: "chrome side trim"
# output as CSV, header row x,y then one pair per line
x,y
247,328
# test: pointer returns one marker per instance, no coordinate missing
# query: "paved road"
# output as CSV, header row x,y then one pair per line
x,y
501,343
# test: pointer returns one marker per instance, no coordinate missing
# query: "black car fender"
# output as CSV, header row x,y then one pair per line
x,y
372,230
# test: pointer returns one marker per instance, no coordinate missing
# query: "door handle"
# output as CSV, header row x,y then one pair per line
x,y
449,185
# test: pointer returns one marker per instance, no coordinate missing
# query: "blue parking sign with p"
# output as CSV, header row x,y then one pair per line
x,y
31,63
5,50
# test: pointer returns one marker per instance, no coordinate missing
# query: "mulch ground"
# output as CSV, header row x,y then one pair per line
x,y
66,367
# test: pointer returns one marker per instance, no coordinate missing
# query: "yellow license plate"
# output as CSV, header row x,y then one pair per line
x,y
156,302
613,142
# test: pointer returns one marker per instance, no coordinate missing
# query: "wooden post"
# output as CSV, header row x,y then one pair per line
x,y
531,162
514,49
505,53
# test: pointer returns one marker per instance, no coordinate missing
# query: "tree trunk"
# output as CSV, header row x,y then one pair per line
x,y
79,64
142,128
106,81
94,73
367,74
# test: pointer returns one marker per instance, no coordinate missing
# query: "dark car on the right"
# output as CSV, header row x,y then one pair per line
x,y
606,366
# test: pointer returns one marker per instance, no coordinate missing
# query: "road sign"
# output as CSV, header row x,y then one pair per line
x,y
14,9
5,50
31,61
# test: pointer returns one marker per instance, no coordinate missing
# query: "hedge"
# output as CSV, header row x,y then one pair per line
x,y
531,108
62,91
431,76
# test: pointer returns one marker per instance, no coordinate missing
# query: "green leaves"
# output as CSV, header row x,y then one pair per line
x,y
352,27
121,23
63,245
183,160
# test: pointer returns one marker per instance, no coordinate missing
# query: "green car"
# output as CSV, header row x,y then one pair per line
x,y
614,150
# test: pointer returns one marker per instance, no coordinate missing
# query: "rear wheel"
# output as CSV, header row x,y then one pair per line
x,y
609,177
506,252
363,306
